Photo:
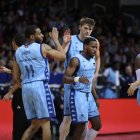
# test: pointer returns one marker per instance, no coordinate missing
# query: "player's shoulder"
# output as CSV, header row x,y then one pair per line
x,y
78,55
19,48
73,37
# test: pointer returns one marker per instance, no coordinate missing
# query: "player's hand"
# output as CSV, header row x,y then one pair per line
x,y
132,88
4,69
7,96
67,36
54,34
83,80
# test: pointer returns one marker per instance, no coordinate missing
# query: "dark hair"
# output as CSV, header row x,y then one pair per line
x,y
86,20
30,30
19,39
88,40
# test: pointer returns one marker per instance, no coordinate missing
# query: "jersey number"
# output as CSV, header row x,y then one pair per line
x,y
30,71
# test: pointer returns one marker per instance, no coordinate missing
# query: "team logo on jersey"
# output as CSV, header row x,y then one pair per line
x,y
82,116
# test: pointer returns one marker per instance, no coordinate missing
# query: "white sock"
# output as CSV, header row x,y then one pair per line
x,y
91,134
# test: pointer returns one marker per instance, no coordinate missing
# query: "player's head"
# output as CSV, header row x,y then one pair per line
x,y
86,26
34,33
18,40
90,46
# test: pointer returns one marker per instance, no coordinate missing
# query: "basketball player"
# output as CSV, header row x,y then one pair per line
x,y
136,84
31,61
75,47
80,74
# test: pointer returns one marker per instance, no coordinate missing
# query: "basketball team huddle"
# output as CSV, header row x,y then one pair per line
x,y
31,73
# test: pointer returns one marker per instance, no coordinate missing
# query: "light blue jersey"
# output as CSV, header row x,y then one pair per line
x,y
82,104
75,47
32,64
36,94
86,69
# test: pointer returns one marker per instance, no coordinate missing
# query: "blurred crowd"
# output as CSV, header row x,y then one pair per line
x,y
118,35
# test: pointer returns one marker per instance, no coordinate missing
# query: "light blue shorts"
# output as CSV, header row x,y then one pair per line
x,y
67,88
82,106
37,100
92,108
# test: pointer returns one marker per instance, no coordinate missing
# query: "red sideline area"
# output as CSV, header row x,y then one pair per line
x,y
5,120
119,116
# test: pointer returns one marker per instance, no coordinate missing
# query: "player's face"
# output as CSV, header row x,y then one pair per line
x,y
91,48
38,36
85,30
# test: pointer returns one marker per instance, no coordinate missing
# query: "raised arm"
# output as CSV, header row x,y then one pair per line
x,y
69,73
66,40
57,54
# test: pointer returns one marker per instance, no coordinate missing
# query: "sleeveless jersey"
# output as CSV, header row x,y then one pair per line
x,y
75,47
33,66
86,69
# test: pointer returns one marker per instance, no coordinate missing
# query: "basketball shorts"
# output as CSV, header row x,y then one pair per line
x,y
37,100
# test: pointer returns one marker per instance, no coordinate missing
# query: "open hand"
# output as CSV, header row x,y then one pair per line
x,y
132,88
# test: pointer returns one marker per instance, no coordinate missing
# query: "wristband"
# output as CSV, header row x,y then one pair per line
x,y
76,79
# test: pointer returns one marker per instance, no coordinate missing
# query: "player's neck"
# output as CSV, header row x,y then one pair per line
x,y
28,41
81,37
85,55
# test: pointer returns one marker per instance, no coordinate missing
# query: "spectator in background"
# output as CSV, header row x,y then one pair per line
x,y
126,78
111,80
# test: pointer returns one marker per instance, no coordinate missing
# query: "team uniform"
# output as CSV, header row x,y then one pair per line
x,y
75,47
35,72
82,105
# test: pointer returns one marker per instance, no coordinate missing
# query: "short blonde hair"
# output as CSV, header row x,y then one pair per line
x,y
86,20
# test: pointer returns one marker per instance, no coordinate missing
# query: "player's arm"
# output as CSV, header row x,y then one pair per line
x,y
16,74
68,75
94,94
66,40
10,93
134,85
57,54
48,51
97,57
5,70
